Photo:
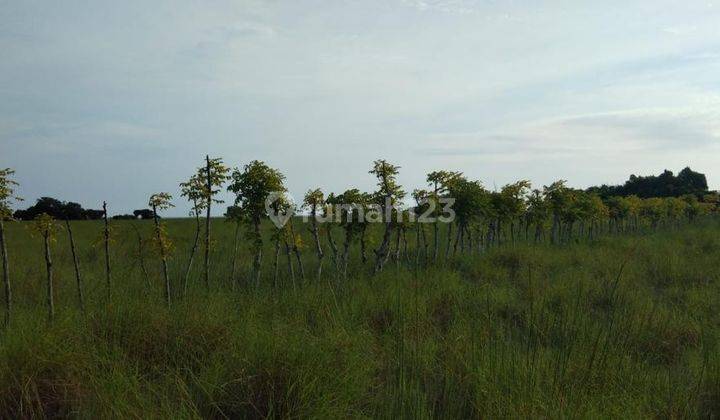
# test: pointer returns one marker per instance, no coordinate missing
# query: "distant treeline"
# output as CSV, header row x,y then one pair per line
x,y
687,182
72,211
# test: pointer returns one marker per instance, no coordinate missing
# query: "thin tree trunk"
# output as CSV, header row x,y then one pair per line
x,y
296,251
233,280
163,257
333,246
382,252
107,250
396,254
141,257
449,240
49,269
258,252
316,238
363,244
76,265
405,252
6,273
291,269
207,221
186,278
276,261
346,249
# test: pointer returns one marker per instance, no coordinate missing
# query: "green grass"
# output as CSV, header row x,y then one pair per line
x,y
517,332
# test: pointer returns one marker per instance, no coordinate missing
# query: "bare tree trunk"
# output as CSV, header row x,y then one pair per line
x,y
233,280
333,246
296,251
141,257
276,261
436,240
382,252
396,253
76,265
449,240
257,261
6,273
418,247
163,257
346,250
291,269
363,244
512,233
405,252
207,221
316,238
107,250
48,267
468,231
186,278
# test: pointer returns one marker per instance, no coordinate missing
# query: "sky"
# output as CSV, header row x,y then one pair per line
x,y
117,100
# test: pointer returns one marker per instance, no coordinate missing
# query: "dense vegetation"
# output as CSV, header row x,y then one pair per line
x,y
545,302
524,330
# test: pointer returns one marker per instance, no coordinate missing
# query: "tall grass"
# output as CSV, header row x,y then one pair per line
x,y
624,326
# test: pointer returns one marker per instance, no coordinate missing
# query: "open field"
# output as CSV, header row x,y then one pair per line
x,y
620,326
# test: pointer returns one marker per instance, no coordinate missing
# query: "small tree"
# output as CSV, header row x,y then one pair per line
x,y
351,220
234,215
161,201
252,186
387,197
537,213
421,208
46,227
7,196
314,201
106,241
193,190
76,265
439,181
214,174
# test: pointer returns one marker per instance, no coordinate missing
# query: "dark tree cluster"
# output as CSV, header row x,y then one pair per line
x,y
58,209
144,214
687,182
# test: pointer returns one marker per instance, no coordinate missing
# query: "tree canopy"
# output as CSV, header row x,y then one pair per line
x,y
664,185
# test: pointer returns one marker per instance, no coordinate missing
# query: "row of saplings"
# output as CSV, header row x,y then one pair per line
x,y
475,219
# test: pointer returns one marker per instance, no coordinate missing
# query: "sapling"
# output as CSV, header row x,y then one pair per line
x,y
388,195
193,190
46,227
141,256
7,195
161,201
252,186
328,211
291,269
297,245
314,200
76,265
106,236
213,174
235,215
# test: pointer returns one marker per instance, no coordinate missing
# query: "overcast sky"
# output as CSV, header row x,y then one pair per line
x,y
114,100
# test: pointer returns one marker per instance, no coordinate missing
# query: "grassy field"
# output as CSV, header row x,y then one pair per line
x,y
626,326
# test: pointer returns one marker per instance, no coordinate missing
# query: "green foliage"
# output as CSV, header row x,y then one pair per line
x,y
209,183
388,187
7,192
253,185
517,332
194,189
45,226
160,201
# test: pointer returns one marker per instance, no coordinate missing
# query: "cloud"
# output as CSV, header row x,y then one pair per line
x,y
610,133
